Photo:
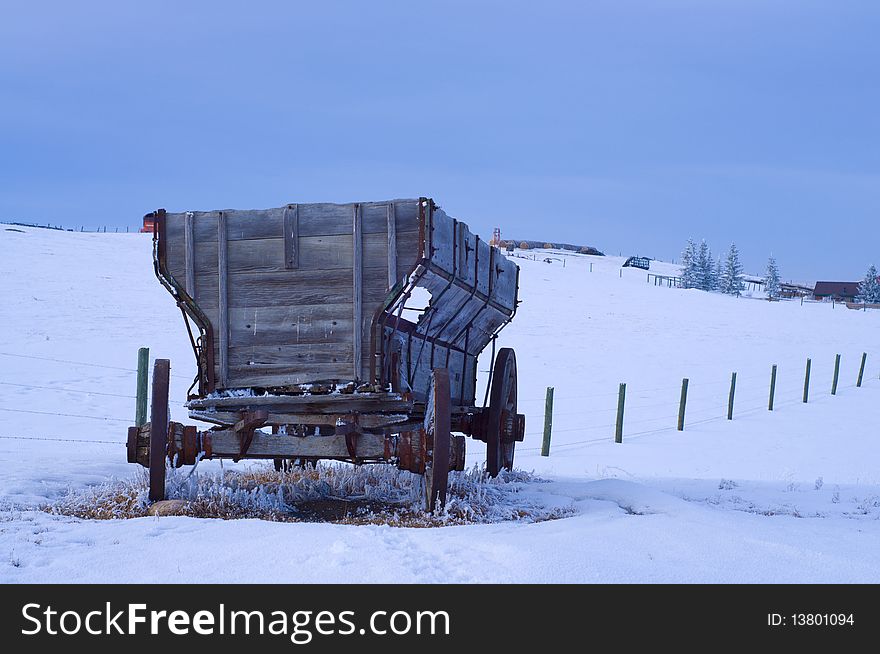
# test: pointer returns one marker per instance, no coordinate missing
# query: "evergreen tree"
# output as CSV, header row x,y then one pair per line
x,y
771,279
704,267
869,288
716,278
732,277
689,265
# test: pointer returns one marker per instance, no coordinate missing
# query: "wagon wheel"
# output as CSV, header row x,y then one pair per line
x,y
437,427
159,428
502,413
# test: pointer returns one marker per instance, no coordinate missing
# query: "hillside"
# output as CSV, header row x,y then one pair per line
x,y
790,495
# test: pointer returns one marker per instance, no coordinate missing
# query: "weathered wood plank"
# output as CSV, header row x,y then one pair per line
x,y
314,220
190,245
392,246
358,285
315,253
294,356
365,420
442,240
291,236
226,443
271,376
314,323
223,298
338,403
175,250
293,288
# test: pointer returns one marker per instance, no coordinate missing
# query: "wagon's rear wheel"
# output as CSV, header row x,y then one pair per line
x,y
438,416
159,428
501,421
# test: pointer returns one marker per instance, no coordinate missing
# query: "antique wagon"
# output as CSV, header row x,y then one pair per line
x,y
302,321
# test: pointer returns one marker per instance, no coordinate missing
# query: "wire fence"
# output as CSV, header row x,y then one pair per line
x,y
750,402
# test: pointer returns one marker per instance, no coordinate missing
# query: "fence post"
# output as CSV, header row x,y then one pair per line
x,y
682,404
548,422
772,387
621,400
836,375
730,398
807,382
140,413
862,369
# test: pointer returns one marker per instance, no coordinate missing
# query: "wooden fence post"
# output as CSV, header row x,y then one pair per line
x,y
836,375
772,387
682,403
807,382
548,422
730,398
862,369
140,412
621,400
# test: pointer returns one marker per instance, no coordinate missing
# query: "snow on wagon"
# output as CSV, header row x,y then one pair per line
x,y
335,331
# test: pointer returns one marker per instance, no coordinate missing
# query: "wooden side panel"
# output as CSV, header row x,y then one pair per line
x,y
485,260
504,289
442,240
190,248
392,246
223,302
175,246
282,284
293,325
358,292
291,236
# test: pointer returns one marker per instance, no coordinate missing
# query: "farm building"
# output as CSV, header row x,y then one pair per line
x,y
839,291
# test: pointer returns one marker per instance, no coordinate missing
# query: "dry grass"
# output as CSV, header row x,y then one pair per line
x,y
328,492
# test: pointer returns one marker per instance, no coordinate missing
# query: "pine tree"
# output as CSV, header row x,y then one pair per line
x,y
716,278
689,265
732,277
869,288
704,267
771,279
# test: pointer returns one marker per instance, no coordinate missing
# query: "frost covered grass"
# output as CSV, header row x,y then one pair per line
x,y
327,492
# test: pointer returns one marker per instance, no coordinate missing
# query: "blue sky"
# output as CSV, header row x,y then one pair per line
x,y
628,125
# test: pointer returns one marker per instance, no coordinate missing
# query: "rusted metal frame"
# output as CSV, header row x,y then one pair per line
x,y
205,357
396,298
491,373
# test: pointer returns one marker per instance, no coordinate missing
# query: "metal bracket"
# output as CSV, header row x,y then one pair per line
x,y
250,420
349,427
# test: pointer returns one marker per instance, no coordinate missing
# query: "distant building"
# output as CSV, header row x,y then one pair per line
x,y
795,290
838,291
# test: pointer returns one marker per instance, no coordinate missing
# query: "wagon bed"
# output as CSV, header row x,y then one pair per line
x,y
337,321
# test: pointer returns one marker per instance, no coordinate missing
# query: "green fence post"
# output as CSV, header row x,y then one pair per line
x,y
621,400
682,403
862,369
140,412
730,398
548,422
772,387
807,382
836,375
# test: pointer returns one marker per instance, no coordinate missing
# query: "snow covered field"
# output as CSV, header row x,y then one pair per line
x,y
787,496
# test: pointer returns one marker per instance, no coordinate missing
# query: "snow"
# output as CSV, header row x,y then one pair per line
x,y
787,496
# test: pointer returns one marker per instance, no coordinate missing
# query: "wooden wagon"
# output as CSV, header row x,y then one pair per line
x,y
311,342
